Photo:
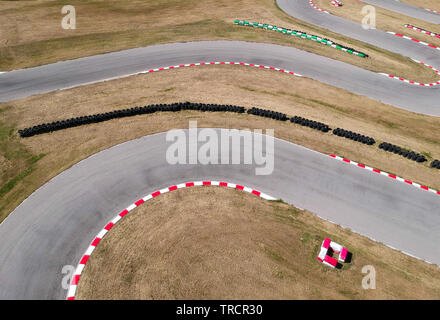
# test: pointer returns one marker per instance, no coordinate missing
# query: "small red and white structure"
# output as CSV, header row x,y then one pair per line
x,y
329,261
336,3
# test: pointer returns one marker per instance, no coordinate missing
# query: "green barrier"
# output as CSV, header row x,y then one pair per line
x,y
301,35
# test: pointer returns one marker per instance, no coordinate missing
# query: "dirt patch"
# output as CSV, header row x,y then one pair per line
x,y
215,243
209,84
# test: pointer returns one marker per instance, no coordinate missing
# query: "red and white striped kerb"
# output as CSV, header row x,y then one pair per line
x,y
415,40
414,82
79,269
221,63
432,34
316,7
386,174
432,84
337,248
433,11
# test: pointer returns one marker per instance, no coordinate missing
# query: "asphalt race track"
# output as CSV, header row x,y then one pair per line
x,y
405,9
54,226
66,74
302,10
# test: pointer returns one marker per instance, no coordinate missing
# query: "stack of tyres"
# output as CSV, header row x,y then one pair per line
x,y
403,152
310,123
268,114
100,117
435,164
354,136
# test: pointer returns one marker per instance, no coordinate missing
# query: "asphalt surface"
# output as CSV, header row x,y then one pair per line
x,y
54,226
302,10
21,83
406,9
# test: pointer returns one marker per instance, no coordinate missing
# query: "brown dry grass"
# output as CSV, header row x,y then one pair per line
x,y
31,32
209,84
215,243
385,20
426,4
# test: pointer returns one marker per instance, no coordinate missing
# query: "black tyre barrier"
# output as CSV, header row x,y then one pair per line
x,y
435,164
403,152
310,123
268,114
354,136
179,106
100,117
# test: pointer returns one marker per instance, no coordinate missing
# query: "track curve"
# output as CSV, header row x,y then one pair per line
x,y
300,9
100,236
21,83
56,224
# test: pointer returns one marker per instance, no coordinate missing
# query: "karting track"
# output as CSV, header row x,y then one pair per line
x,y
405,9
61,75
55,225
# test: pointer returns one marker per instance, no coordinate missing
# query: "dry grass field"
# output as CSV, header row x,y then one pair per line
x,y
385,20
218,243
425,4
28,163
31,32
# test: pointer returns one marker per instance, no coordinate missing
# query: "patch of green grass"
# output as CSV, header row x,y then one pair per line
x,y
29,168
278,201
427,154
388,124
280,274
305,238
348,293
247,88
11,183
329,105
275,256
12,149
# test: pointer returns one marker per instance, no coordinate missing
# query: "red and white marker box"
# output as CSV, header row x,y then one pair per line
x,y
336,248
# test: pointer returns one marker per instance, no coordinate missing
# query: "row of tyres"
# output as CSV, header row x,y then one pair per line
x,y
310,123
435,164
100,117
354,136
268,114
179,106
303,35
403,152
